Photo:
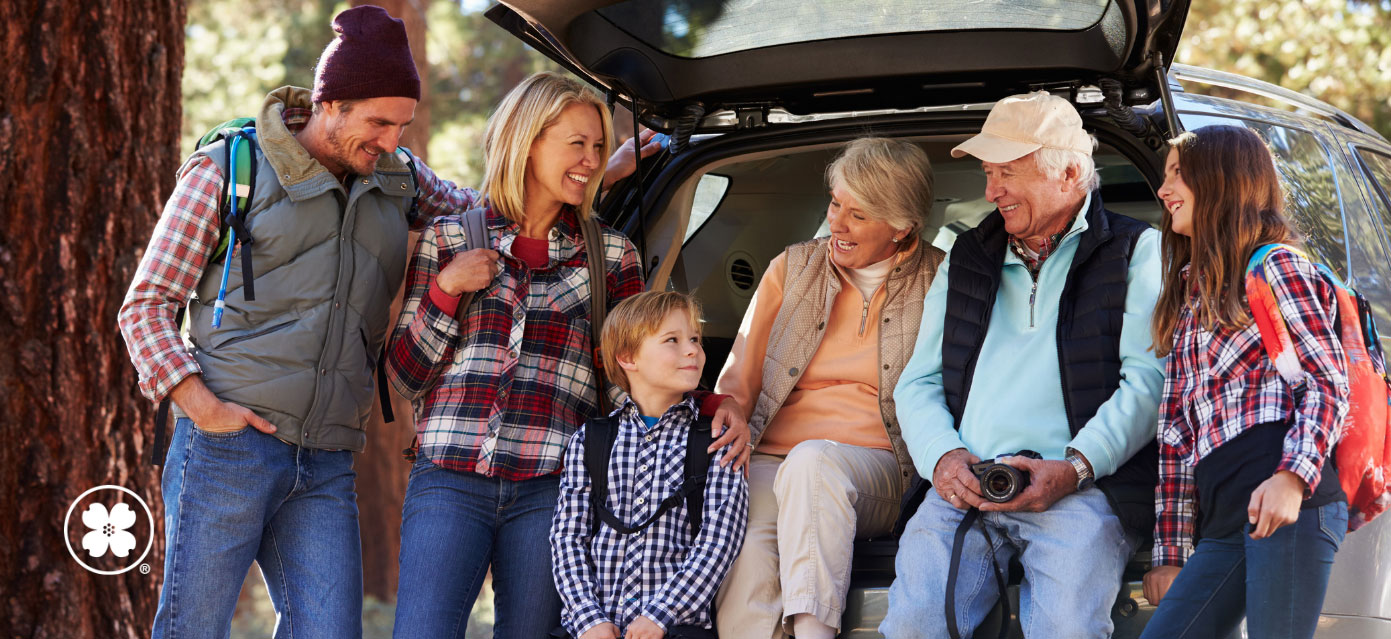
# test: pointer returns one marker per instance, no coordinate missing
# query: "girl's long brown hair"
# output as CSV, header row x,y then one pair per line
x,y
1238,208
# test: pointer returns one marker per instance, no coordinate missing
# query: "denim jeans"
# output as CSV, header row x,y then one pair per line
x,y
1278,582
1073,556
455,526
234,498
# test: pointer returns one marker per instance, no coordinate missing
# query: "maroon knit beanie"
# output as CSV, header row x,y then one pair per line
x,y
370,58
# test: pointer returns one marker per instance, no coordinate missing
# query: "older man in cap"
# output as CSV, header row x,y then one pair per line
x,y
272,393
1035,337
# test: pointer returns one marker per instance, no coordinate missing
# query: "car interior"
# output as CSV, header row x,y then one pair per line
x,y
741,212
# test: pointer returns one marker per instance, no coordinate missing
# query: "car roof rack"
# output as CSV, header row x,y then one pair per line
x,y
1270,91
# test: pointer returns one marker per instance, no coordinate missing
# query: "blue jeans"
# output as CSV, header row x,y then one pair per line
x,y
455,526
1073,555
1278,582
234,498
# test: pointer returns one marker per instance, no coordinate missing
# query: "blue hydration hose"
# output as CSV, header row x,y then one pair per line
x,y
231,238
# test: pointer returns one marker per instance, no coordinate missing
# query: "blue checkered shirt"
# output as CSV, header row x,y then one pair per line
x,y
660,572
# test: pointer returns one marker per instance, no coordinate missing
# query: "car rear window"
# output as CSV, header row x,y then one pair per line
x,y
703,28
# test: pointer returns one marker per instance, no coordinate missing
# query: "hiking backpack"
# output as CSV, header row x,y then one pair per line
x,y
600,435
1363,451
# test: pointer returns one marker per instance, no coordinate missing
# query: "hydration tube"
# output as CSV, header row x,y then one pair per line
x,y
221,304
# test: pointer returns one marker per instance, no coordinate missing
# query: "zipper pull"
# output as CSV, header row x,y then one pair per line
x,y
1033,294
864,317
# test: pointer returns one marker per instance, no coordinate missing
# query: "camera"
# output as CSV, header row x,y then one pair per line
x,y
1002,482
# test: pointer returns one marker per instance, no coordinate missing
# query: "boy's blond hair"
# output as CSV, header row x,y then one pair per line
x,y
635,319
524,114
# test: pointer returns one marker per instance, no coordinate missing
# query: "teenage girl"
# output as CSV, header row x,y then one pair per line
x,y
1249,507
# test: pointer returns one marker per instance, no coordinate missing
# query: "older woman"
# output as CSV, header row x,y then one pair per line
x,y
498,394
814,366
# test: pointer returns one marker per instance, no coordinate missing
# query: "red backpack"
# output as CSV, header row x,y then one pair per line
x,y
1362,450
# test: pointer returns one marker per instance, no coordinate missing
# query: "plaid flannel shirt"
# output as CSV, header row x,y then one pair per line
x,y
185,237
501,393
1219,384
659,573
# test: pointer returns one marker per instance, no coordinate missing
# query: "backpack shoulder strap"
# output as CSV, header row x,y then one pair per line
x,y
1265,311
598,300
475,223
600,433
698,440
406,156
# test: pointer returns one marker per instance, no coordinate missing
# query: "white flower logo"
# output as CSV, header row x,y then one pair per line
x,y
108,530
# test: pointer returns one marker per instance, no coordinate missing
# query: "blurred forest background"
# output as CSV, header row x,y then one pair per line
x,y
127,86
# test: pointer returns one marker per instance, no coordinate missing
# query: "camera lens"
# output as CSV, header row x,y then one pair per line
x,y
999,484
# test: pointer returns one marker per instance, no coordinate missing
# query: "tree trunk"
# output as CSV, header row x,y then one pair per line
x,y
382,473
89,142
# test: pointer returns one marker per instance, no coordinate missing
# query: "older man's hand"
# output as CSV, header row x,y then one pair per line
x,y
954,482
1049,481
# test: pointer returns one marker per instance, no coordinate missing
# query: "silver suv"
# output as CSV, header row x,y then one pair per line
x,y
757,95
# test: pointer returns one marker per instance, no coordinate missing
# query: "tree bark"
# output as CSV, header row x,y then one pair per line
x,y
382,473
89,142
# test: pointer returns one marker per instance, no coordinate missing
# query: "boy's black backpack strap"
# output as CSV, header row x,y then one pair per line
x,y
599,435
698,440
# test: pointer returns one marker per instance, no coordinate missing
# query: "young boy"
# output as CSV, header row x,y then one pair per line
x,y
635,568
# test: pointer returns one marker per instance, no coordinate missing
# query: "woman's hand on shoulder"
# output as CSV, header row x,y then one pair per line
x,y
468,272
731,429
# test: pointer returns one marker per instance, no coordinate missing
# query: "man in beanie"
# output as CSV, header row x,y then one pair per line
x,y
270,402
1055,290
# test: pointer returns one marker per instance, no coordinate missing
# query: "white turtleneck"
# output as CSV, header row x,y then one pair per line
x,y
868,279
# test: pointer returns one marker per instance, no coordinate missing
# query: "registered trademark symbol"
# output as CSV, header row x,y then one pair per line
x,y
144,569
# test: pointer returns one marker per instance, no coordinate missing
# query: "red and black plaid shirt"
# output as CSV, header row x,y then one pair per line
x,y
1219,384
500,394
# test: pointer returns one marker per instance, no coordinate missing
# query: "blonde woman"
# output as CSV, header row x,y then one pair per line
x,y
498,395
814,366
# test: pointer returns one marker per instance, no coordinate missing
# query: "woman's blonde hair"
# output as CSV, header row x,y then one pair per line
x,y
1238,208
634,320
522,117
891,179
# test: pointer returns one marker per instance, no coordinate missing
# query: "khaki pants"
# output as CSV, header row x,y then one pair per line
x,y
805,512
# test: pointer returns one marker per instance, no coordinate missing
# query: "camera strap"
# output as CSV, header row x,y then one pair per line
x,y
957,544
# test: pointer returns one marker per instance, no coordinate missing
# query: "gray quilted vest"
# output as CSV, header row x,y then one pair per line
x,y
329,258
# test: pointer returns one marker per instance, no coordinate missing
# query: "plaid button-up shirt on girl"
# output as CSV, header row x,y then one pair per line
x,y
501,394
660,572
1219,384
185,238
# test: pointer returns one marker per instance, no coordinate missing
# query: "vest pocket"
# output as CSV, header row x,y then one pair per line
x,y
253,334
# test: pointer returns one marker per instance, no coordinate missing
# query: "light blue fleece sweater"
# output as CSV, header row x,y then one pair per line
x,y
1016,398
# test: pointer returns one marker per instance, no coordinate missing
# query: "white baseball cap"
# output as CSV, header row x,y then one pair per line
x,y
1021,124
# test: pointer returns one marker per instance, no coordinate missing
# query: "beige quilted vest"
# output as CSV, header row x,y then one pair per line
x,y
810,288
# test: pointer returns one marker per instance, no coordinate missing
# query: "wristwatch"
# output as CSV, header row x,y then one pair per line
x,y
1085,479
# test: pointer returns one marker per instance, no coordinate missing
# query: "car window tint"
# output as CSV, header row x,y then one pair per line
x,y
1378,168
702,28
710,191
1311,191
1374,272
